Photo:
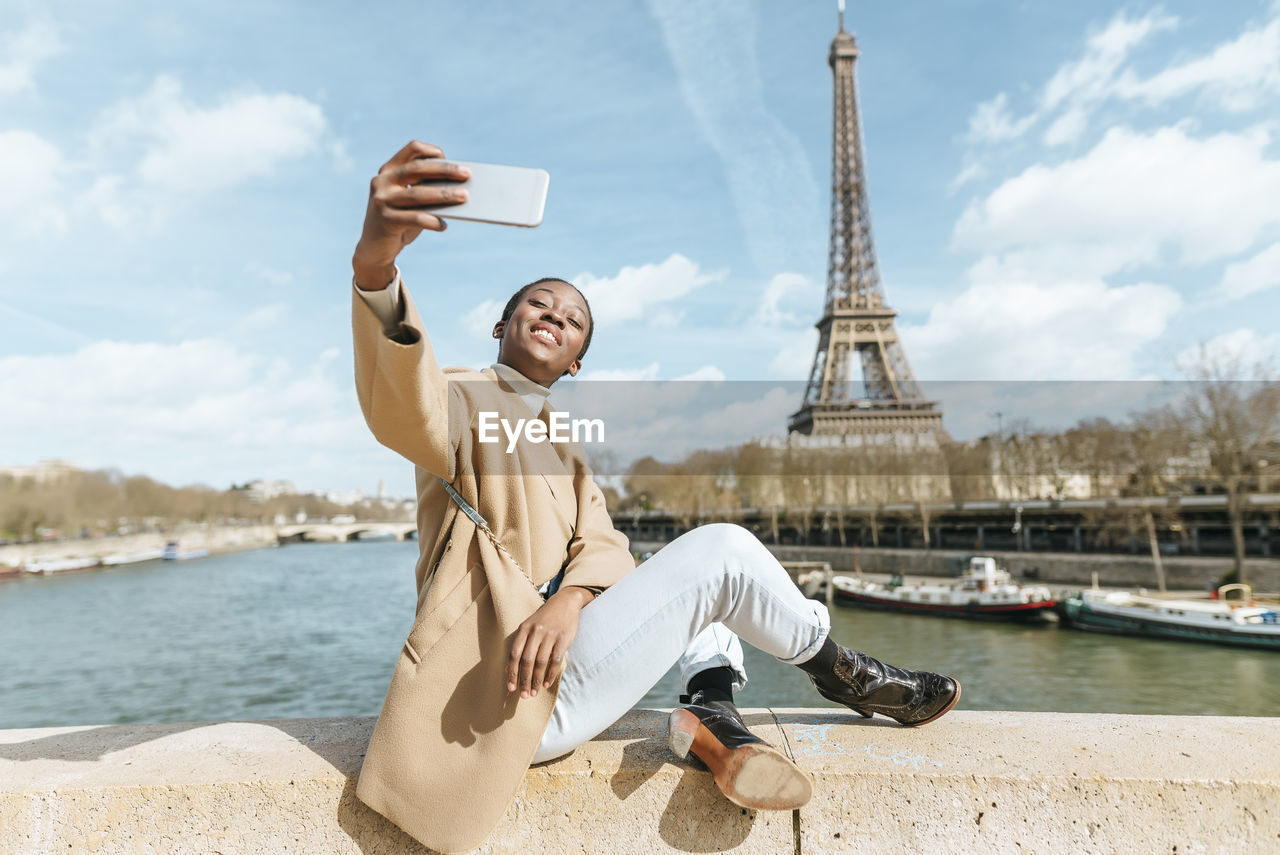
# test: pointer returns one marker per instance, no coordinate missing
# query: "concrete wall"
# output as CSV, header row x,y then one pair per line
x,y
214,538
1061,568
971,782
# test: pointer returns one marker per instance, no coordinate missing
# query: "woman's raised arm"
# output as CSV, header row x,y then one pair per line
x,y
403,393
391,220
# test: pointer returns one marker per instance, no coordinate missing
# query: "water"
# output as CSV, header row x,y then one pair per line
x,y
315,629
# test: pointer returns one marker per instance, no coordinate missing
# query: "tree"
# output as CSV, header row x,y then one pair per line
x,y
1237,422
968,466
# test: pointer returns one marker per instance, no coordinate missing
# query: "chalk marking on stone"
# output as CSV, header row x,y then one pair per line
x,y
813,732
900,757
820,745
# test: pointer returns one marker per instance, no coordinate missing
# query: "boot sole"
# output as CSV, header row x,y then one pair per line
x,y
940,713
757,776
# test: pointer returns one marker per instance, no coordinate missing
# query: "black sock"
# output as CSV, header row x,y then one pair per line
x,y
716,684
824,662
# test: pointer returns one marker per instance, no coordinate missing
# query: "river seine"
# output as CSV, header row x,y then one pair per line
x,y
315,629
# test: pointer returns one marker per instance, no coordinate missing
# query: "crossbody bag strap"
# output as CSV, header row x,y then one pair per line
x,y
481,524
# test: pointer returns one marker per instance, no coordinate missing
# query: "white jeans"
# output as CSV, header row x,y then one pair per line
x,y
687,604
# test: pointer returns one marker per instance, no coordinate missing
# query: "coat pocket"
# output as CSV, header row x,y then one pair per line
x,y
411,652
431,627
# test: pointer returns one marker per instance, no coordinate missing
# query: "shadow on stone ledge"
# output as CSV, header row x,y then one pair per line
x,y
370,830
696,818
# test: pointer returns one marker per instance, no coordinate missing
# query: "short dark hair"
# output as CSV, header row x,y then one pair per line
x,y
510,308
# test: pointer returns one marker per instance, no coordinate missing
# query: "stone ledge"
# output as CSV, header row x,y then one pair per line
x,y
972,782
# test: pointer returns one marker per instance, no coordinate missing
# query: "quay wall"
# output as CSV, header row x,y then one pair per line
x,y
1189,573
216,539
1053,568
992,782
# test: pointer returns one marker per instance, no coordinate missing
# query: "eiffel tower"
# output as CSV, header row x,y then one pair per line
x,y
856,319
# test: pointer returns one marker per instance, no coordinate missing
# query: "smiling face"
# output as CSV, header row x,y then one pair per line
x,y
547,332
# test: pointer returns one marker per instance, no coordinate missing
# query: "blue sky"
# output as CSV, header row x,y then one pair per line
x,y
1081,191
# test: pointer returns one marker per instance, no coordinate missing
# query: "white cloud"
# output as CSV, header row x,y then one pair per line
x,y
667,318
795,359
1237,75
1051,234
782,294
972,171
31,172
621,375
1240,74
1236,351
713,48
22,53
673,432
1068,127
970,408
1090,77
188,148
992,122
146,152
1076,86
1029,330
647,374
634,292
667,419
142,152
479,321
1258,273
764,414
105,199
177,411
1135,198
143,386
706,373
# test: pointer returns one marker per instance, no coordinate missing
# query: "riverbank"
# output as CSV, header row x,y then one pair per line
x,y
972,782
215,539
1052,568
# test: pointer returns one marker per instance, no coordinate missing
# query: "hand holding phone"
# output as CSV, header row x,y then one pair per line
x,y
506,195
395,216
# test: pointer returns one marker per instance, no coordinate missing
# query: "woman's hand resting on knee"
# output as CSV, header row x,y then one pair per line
x,y
541,643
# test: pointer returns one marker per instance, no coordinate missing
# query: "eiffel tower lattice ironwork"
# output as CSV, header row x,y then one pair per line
x,y
856,319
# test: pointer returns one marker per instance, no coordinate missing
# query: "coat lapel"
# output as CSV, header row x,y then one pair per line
x,y
543,457
554,472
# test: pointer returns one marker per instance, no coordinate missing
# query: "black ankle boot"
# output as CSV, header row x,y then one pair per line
x,y
868,686
749,771
719,704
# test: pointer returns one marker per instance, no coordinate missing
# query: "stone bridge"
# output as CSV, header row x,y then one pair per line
x,y
325,532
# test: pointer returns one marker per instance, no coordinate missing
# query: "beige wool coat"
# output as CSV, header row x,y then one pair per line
x,y
451,745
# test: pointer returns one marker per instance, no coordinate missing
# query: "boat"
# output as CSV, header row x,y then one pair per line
x,y
174,552
10,571
117,558
49,566
1229,619
984,591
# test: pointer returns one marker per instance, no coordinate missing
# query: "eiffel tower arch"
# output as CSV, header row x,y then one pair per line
x,y
856,323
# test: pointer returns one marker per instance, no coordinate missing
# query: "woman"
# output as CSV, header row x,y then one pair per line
x,y
532,635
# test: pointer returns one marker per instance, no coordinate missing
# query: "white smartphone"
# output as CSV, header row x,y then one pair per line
x,y
506,195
